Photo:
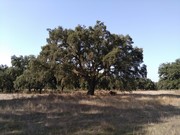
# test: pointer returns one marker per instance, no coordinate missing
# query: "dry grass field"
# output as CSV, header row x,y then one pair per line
x,y
137,113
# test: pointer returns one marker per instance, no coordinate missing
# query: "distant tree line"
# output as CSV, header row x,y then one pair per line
x,y
83,58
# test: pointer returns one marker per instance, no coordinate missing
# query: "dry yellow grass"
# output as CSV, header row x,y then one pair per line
x,y
139,112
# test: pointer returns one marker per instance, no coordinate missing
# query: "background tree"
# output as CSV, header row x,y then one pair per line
x,y
7,76
20,65
21,62
146,84
92,53
34,77
3,77
169,74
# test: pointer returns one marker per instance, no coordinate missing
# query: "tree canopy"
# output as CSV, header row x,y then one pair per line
x,y
169,74
91,53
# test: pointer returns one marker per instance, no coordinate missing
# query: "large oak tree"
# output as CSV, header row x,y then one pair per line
x,y
90,53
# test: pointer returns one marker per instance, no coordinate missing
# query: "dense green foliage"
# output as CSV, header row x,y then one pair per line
x,y
9,75
90,54
169,74
86,57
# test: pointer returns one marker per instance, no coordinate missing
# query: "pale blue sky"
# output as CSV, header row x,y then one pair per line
x,y
154,25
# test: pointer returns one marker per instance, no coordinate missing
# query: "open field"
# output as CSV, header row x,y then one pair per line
x,y
140,112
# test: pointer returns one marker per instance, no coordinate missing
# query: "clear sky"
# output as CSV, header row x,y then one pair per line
x,y
154,25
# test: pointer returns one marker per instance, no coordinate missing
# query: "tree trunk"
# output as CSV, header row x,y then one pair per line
x,y
40,90
91,86
2,89
29,88
62,88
